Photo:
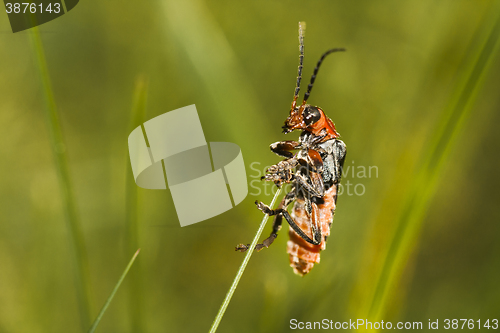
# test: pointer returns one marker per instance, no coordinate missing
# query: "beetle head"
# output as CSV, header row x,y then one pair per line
x,y
310,119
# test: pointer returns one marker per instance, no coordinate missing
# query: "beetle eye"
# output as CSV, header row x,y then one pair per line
x,y
311,115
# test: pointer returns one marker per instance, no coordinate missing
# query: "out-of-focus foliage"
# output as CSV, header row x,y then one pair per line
x,y
414,97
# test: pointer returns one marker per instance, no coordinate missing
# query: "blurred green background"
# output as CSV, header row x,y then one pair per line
x,y
416,95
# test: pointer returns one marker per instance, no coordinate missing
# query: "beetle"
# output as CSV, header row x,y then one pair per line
x,y
313,168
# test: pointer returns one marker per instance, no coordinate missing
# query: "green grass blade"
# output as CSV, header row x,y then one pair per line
x,y
135,289
236,280
81,270
115,289
416,204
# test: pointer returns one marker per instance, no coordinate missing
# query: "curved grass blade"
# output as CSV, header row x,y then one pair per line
x,y
57,143
132,199
236,280
115,289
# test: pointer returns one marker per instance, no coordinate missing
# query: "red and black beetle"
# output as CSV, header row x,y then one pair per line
x,y
313,168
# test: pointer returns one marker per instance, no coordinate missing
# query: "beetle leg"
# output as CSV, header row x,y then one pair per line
x,y
281,172
314,186
314,222
315,229
276,224
314,160
314,213
284,148
310,158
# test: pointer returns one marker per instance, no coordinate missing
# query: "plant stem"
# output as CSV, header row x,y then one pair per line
x,y
230,293
58,146
115,289
132,202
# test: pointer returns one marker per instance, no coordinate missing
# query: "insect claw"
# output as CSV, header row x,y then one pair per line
x,y
261,206
264,208
242,247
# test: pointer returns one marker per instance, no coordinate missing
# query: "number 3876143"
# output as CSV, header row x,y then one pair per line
x,y
31,7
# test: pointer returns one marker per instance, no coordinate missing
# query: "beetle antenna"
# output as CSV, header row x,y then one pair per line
x,y
302,31
313,77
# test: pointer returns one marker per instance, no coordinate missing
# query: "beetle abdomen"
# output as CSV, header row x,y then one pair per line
x,y
302,254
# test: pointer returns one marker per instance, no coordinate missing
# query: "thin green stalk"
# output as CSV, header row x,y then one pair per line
x,y
115,289
236,280
135,290
57,143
